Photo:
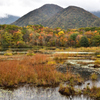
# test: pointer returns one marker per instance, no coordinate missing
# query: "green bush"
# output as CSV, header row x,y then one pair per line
x,y
84,42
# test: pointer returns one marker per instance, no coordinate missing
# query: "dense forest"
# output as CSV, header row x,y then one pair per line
x,y
31,35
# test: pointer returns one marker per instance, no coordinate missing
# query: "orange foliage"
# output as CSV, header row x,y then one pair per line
x,y
31,34
29,70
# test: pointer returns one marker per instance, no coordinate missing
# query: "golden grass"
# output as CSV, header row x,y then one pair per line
x,y
63,56
12,73
97,61
84,49
67,90
93,92
94,76
31,69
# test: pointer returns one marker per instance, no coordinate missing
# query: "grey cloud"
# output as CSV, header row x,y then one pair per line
x,y
21,7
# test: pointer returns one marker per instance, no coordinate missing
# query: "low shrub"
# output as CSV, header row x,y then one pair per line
x,y
67,90
94,76
8,53
94,92
51,63
30,53
97,61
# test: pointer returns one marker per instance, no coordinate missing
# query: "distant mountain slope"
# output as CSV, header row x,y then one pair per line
x,y
96,13
73,17
38,16
8,20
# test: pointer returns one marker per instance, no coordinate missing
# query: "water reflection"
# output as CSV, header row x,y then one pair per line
x,y
34,93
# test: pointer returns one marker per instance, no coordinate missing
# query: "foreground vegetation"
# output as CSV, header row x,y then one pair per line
x,y
93,92
38,35
42,70
35,69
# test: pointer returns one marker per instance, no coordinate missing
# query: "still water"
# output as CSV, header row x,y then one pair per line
x,y
36,93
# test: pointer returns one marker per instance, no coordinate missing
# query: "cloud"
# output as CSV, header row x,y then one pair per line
x,y
21,7
90,5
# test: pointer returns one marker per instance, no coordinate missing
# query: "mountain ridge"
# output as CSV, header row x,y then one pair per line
x,y
38,16
96,13
9,19
73,17
53,16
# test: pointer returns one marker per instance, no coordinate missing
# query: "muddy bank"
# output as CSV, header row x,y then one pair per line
x,y
82,70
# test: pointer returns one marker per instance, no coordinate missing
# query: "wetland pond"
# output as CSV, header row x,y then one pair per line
x,y
29,92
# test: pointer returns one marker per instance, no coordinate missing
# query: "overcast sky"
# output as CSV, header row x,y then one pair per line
x,y
21,7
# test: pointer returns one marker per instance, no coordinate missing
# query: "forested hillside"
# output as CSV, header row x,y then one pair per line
x,y
38,16
38,35
73,17
53,16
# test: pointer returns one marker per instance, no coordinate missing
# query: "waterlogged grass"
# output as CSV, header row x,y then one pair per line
x,y
80,49
93,92
8,53
98,56
40,70
97,61
84,49
94,76
30,53
31,69
67,90
63,56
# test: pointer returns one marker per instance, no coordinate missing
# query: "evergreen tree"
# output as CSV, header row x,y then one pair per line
x,y
84,42
96,40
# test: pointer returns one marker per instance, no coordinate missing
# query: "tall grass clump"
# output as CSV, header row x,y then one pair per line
x,y
97,61
35,69
12,73
93,92
30,53
67,90
8,53
94,76
31,69
98,56
36,59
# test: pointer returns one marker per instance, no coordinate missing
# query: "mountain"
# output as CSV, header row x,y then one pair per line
x,y
53,16
38,16
73,17
96,13
9,19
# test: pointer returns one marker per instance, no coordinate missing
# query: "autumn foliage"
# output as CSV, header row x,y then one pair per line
x,y
37,35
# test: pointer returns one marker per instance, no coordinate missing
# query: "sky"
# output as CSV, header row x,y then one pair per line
x,y
22,7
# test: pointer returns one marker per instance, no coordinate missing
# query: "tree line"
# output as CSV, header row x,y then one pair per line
x,y
38,35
